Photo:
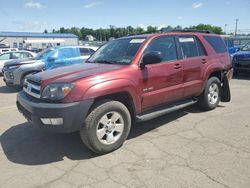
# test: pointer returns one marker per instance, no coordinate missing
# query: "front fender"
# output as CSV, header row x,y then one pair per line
x,y
113,87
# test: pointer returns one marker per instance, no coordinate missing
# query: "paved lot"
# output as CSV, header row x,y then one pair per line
x,y
188,148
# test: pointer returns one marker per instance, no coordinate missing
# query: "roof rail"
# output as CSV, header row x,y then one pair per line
x,y
166,30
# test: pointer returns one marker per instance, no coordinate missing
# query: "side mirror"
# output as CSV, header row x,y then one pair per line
x,y
151,58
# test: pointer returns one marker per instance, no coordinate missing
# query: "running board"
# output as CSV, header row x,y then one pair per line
x,y
165,110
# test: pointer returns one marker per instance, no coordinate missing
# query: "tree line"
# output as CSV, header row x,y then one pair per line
x,y
116,32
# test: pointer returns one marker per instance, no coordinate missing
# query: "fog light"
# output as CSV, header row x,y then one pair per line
x,y
11,75
52,121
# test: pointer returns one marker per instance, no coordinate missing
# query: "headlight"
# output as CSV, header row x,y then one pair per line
x,y
57,91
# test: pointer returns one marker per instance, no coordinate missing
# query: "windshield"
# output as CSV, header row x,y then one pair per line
x,y
246,47
120,51
43,54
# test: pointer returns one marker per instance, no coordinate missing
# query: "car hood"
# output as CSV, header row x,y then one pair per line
x,y
73,72
19,62
242,55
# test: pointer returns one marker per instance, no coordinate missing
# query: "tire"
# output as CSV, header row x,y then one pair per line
x,y
102,135
210,97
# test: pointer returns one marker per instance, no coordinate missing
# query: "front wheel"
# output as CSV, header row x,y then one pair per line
x,y
210,97
106,127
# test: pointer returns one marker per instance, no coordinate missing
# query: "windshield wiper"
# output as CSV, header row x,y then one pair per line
x,y
106,62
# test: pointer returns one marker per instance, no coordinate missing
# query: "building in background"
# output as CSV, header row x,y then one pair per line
x,y
37,40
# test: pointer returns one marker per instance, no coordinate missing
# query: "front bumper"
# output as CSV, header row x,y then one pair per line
x,y
73,114
241,66
12,77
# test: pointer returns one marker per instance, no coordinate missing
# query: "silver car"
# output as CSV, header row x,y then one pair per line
x,y
7,56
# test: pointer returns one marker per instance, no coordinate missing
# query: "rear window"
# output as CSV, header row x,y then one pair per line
x,y
217,43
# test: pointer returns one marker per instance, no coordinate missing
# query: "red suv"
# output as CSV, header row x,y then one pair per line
x,y
135,78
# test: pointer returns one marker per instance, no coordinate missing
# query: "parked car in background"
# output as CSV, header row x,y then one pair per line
x,y
2,50
16,71
87,51
135,78
241,60
7,56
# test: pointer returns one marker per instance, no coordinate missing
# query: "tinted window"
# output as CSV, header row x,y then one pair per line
x,y
217,43
188,47
166,46
84,51
200,47
91,51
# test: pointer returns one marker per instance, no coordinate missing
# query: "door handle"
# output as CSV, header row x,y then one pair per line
x,y
203,61
177,66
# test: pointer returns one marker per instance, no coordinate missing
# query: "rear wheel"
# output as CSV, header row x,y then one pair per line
x,y
210,97
106,127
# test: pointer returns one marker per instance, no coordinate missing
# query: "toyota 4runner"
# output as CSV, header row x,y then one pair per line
x,y
135,78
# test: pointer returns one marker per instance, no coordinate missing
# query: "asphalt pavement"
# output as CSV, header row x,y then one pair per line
x,y
188,148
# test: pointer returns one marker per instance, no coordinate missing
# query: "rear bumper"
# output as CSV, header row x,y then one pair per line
x,y
73,114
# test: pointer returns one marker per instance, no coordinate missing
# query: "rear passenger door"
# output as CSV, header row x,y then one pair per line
x,y
194,63
162,82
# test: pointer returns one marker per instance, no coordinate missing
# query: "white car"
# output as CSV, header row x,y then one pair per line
x,y
7,56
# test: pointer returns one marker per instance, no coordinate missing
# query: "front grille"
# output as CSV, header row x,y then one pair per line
x,y
25,112
242,64
32,88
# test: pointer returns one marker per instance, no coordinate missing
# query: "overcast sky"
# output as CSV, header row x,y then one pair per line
x,y
37,15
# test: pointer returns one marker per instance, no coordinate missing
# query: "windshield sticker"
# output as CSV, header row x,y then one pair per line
x,y
137,41
186,39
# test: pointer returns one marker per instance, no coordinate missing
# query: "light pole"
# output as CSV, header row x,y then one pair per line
x,y
225,29
236,26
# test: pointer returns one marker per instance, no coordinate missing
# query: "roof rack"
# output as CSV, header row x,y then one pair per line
x,y
166,30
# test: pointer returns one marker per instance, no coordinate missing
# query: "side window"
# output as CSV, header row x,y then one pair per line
x,y
69,52
25,55
200,47
91,51
28,55
5,56
16,55
217,43
84,51
166,46
188,47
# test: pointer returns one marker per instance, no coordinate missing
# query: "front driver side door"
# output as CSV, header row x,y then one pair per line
x,y
162,82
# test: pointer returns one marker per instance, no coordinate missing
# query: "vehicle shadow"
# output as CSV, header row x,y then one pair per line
x,y
23,144
5,89
241,77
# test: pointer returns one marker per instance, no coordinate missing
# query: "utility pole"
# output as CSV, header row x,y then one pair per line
x,y
225,29
236,26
